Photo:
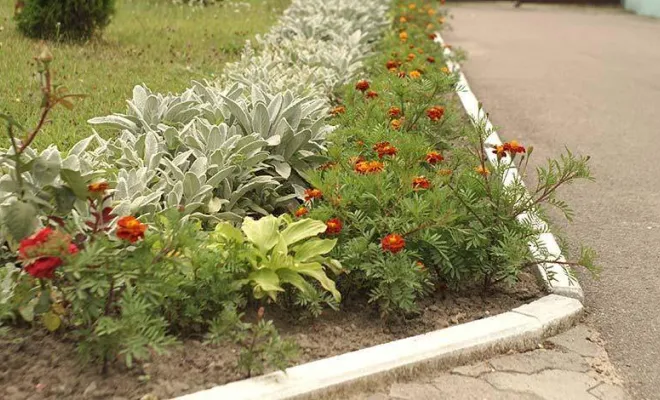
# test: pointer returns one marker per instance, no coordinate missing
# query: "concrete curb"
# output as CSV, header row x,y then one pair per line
x,y
519,329
558,279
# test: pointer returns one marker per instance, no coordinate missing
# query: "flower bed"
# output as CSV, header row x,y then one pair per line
x,y
251,207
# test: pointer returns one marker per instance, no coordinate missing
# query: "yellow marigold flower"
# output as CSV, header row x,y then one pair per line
x,y
481,170
445,70
403,36
395,124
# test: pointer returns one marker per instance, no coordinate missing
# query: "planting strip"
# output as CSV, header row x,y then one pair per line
x,y
557,278
519,329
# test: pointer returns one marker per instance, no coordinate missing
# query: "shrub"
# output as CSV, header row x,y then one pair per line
x,y
64,19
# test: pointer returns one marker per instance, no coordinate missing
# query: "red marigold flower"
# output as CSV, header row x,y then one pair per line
x,y
402,74
362,85
311,194
432,36
430,59
435,113
44,249
301,211
420,183
334,226
98,187
514,147
391,64
395,124
371,94
499,151
393,243
368,167
433,157
338,110
129,228
385,149
394,112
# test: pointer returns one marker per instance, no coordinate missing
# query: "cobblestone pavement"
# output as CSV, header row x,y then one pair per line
x,y
570,366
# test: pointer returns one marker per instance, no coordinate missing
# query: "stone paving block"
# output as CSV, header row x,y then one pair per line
x,y
473,370
414,391
605,391
539,360
548,384
576,340
456,387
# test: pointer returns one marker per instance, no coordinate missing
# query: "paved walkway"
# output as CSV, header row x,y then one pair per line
x,y
571,366
588,79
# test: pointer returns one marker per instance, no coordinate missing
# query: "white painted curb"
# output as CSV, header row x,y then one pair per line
x,y
519,329
557,278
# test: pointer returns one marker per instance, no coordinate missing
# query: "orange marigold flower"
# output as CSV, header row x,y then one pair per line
x,y
411,56
421,182
481,170
129,228
326,166
442,19
403,19
333,226
430,59
403,36
433,157
420,50
385,149
301,211
367,167
412,6
393,243
499,151
395,124
415,74
435,113
98,187
391,64
445,70
311,194
431,12
338,110
514,147
394,112
429,26
371,94
362,85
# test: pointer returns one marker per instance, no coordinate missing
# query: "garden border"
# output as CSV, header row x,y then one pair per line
x,y
519,329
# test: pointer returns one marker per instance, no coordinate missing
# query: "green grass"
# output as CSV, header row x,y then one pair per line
x,y
154,42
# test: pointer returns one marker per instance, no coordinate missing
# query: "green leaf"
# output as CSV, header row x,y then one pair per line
x,y
290,276
313,248
76,182
262,233
43,305
302,229
229,232
265,281
315,270
51,321
19,219
27,312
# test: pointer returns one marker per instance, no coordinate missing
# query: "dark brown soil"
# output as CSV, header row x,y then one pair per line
x,y
36,365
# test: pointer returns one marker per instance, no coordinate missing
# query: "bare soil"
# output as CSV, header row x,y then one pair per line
x,y
38,365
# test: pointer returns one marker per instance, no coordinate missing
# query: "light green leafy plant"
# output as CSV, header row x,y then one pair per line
x,y
280,252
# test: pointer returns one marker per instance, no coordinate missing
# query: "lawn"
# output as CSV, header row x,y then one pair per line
x,y
154,42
